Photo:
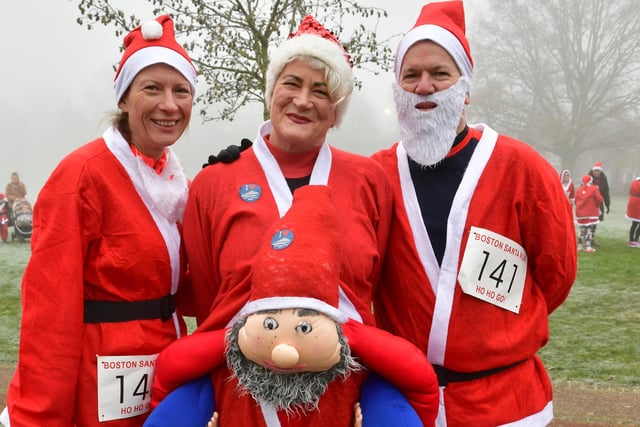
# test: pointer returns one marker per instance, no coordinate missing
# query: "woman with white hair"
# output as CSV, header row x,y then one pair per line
x,y
309,82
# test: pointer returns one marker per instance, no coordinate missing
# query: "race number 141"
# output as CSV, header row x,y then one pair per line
x,y
493,269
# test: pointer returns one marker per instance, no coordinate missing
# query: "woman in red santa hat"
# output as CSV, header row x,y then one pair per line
x,y
309,83
99,289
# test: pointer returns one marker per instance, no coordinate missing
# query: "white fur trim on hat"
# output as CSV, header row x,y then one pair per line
x,y
277,303
439,35
149,56
317,47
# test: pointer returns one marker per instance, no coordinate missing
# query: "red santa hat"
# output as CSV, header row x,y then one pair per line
x,y
151,43
597,166
298,266
312,39
587,179
442,23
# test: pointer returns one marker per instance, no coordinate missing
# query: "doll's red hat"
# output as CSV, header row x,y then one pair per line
x,y
298,265
151,43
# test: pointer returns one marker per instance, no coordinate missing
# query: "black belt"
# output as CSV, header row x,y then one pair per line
x,y
124,311
446,376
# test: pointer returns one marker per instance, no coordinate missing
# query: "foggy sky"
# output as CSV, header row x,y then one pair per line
x,y
58,92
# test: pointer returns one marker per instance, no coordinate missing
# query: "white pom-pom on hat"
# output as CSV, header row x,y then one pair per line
x,y
151,30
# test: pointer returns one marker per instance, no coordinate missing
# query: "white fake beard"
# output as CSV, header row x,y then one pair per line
x,y
428,136
168,196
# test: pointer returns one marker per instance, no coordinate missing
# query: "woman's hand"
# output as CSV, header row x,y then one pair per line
x,y
356,423
357,415
214,420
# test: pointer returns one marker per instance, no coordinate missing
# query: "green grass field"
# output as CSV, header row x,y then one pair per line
x,y
13,259
595,334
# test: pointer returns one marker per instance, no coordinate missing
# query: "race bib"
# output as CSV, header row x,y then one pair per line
x,y
124,386
493,269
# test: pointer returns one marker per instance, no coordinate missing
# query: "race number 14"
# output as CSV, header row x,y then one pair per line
x,y
493,269
124,386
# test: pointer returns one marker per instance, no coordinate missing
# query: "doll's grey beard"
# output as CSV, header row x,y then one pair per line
x,y
296,393
427,136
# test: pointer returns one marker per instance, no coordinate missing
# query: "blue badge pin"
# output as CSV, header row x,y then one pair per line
x,y
250,192
282,239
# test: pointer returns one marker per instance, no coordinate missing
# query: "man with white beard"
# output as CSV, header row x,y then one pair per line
x,y
483,246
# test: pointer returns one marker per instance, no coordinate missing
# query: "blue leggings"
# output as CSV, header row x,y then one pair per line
x,y
192,404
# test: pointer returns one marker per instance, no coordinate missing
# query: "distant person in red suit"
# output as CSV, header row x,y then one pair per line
x,y
567,184
588,201
633,213
600,180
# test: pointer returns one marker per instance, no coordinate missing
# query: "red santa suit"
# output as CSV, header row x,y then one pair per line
x,y
633,205
465,316
96,237
588,201
231,205
298,266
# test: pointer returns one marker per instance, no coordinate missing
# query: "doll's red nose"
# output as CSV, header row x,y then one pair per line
x,y
285,356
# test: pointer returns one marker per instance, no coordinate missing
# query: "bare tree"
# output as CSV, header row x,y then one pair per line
x,y
229,40
563,75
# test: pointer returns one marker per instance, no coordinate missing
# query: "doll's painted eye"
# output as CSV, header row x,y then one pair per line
x,y
304,328
270,323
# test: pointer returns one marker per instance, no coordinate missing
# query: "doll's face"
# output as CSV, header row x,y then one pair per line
x,y
290,340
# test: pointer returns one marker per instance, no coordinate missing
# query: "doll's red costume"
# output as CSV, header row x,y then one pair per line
x,y
301,271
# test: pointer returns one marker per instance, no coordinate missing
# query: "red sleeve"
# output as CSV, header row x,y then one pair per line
x,y
43,390
399,362
634,190
598,196
186,359
572,192
547,229
197,297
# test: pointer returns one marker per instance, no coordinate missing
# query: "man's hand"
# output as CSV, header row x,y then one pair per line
x,y
229,154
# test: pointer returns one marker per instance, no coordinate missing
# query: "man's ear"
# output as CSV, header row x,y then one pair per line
x,y
467,99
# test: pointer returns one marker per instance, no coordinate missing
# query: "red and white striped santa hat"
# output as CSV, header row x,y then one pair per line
x,y
151,43
444,24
